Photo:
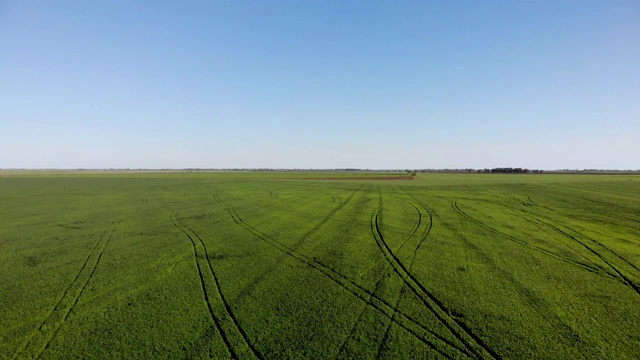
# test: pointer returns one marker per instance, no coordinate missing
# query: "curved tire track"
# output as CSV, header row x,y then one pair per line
x,y
253,209
264,275
205,293
383,307
322,222
414,254
458,329
615,274
220,318
613,267
49,327
389,269
537,223
587,267
620,257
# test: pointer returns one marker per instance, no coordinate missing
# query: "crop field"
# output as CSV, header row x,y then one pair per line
x,y
251,266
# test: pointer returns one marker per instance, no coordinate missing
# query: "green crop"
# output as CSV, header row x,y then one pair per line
x,y
287,265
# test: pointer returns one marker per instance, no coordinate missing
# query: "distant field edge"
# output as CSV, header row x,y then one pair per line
x,y
226,175
390,177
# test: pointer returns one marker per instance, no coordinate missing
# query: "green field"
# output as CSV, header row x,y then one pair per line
x,y
244,265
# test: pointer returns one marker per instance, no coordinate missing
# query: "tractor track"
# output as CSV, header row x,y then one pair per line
x,y
426,233
537,302
415,228
613,267
608,214
586,267
535,220
322,222
414,254
369,298
215,320
426,208
389,270
253,209
351,332
597,269
538,221
50,326
385,337
614,253
258,279
227,309
459,330
338,199
624,209
219,290
432,297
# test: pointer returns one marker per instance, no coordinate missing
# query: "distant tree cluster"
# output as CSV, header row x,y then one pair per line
x,y
508,170
504,170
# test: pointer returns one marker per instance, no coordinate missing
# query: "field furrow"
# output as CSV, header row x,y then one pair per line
x,y
206,297
382,306
539,249
240,348
39,341
292,266
471,341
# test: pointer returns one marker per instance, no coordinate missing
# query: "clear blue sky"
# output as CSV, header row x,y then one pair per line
x,y
320,84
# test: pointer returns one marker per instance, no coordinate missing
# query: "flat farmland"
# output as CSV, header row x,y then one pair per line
x,y
290,265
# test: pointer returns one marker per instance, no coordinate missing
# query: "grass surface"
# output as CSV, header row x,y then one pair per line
x,y
218,265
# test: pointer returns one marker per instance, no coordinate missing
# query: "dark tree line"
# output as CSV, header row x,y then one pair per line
x,y
501,170
509,170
